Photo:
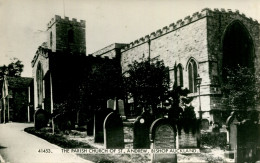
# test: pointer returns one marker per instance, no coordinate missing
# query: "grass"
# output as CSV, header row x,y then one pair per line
x,y
57,139
61,140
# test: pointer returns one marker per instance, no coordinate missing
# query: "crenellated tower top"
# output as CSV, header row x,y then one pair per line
x,y
66,35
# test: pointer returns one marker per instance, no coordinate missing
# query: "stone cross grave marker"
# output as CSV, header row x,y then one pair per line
x,y
141,131
163,136
99,118
113,132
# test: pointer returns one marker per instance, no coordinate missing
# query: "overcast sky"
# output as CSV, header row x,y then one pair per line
x,y
23,22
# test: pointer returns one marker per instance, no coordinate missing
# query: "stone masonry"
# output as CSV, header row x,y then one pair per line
x,y
199,38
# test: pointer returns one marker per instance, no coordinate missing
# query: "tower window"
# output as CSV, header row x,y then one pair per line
x,y
192,73
71,36
51,39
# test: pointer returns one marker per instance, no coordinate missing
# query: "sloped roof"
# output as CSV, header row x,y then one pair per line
x,y
18,82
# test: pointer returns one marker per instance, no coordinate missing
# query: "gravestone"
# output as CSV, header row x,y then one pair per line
x,y
232,126
121,108
188,139
99,118
244,139
204,124
110,104
247,142
41,119
163,136
141,131
113,132
90,126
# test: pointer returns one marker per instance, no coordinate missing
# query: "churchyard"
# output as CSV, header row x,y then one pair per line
x,y
111,130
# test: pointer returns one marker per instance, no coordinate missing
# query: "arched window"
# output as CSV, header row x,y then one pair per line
x,y
39,80
51,39
179,75
238,48
70,36
192,73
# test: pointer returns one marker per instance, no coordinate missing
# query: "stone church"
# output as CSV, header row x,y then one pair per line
x,y
200,44
62,71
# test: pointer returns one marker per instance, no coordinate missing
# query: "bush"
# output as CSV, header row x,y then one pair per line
x,y
214,139
41,119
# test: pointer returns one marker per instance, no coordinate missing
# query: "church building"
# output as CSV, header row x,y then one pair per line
x,y
200,45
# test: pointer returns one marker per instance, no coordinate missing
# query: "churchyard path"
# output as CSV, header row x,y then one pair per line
x,y
17,146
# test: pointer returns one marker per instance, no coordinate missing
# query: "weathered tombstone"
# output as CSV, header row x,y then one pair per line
x,y
121,108
204,124
99,118
216,127
41,119
232,126
90,126
163,136
110,103
244,139
188,139
247,142
141,131
113,132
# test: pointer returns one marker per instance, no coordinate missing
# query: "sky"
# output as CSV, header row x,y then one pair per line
x,y
23,23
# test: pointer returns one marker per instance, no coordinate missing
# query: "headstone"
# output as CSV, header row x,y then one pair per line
x,y
163,136
216,127
121,108
141,131
63,121
188,139
113,132
204,124
110,104
99,118
247,142
244,139
232,124
41,119
90,126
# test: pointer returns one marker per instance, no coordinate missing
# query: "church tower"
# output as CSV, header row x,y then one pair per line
x,y
66,35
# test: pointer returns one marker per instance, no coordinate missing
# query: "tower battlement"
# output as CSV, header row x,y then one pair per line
x,y
73,21
206,12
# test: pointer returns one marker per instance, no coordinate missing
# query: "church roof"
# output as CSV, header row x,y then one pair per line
x,y
18,82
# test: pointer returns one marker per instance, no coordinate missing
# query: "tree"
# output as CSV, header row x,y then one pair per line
x,y
104,81
146,82
180,111
241,90
13,69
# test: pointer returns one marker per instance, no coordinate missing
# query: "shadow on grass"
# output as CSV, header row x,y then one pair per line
x,y
63,142
57,139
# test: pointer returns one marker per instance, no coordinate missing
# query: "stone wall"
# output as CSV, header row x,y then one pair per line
x,y
176,44
42,58
110,51
198,37
217,23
